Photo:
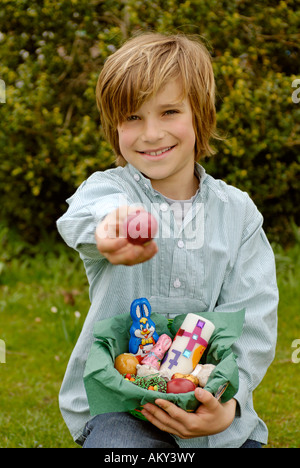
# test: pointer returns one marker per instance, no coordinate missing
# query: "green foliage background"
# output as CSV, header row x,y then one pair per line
x,y
51,53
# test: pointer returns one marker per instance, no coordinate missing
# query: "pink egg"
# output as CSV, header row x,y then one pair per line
x,y
140,227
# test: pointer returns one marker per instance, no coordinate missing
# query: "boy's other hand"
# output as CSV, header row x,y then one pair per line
x,y
113,244
210,418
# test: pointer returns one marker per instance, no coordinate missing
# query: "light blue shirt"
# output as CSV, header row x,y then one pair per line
x,y
219,259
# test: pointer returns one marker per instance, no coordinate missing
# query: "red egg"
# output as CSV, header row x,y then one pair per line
x,y
140,227
180,386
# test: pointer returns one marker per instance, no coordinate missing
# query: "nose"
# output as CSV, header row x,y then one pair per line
x,y
152,131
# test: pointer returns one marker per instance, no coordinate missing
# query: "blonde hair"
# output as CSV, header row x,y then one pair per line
x,y
141,67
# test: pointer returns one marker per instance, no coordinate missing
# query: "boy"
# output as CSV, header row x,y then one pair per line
x,y
156,99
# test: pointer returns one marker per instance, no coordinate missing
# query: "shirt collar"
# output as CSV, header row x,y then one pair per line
x,y
146,185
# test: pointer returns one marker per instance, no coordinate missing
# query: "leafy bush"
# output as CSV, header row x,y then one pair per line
x,y
50,138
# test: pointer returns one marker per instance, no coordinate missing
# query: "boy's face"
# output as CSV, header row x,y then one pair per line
x,y
159,140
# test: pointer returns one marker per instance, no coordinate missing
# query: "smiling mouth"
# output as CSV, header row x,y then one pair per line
x,y
157,152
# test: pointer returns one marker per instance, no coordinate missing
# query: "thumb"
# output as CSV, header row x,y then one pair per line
x,y
206,398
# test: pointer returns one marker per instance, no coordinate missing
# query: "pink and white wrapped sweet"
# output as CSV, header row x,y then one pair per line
x,y
154,357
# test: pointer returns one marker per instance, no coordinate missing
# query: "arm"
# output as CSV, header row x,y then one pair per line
x,y
92,222
90,204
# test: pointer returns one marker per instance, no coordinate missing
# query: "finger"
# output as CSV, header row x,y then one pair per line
x,y
112,225
170,408
167,413
161,419
106,229
207,399
139,253
110,246
132,254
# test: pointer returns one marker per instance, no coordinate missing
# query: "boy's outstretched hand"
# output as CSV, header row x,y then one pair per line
x,y
211,417
113,244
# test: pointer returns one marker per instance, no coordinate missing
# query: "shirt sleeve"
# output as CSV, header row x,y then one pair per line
x,y
251,284
92,201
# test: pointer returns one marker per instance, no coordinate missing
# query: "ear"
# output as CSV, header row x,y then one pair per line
x,y
135,310
146,311
138,312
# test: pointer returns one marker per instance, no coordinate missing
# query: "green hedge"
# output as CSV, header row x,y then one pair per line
x,y
50,138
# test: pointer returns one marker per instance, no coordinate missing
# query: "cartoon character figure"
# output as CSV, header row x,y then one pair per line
x,y
143,335
156,354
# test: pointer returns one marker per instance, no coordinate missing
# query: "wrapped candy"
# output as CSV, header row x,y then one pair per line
x,y
158,351
202,373
142,370
143,335
188,346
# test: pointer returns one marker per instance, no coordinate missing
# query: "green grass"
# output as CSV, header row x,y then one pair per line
x,y
277,398
41,298
42,289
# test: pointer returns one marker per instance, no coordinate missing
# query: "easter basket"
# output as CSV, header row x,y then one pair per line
x,y
107,390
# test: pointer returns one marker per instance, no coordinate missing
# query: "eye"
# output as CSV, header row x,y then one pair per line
x,y
171,112
132,118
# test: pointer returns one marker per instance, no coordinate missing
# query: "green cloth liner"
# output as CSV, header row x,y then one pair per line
x,y
107,391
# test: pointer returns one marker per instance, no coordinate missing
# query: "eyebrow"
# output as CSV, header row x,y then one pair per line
x,y
179,104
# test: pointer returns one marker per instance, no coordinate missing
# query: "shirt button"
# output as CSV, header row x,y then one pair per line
x,y
163,207
180,244
177,283
136,177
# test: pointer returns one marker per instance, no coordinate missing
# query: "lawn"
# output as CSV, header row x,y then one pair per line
x,y
43,302
277,398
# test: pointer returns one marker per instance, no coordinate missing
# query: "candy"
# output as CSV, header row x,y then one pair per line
x,y
144,370
154,357
180,386
143,335
156,383
190,377
126,363
188,346
140,227
202,373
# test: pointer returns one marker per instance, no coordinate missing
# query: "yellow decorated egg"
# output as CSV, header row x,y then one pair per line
x,y
126,363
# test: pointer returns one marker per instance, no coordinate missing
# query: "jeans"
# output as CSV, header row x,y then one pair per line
x,y
122,430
